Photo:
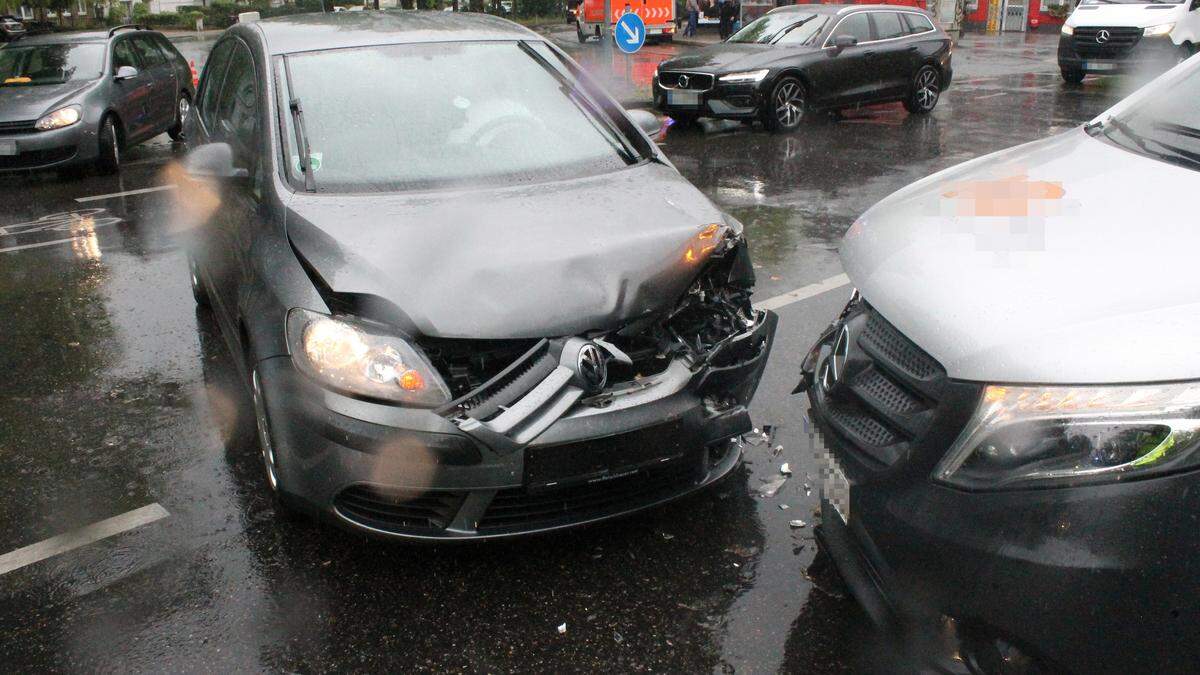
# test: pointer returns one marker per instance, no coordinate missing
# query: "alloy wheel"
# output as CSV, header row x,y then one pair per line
x,y
184,106
927,89
789,104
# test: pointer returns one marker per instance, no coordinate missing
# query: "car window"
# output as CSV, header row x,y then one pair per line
x,y
917,23
123,55
210,86
147,51
888,25
855,25
237,111
168,50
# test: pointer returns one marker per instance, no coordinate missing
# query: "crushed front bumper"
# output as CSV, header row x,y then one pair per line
x,y
438,475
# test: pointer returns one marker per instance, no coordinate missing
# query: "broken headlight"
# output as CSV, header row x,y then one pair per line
x,y
362,359
1033,436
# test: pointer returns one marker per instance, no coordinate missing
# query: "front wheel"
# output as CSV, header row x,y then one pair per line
x,y
199,293
1072,76
108,160
926,89
181,113
785,109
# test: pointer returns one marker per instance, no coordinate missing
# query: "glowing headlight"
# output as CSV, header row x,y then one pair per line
x,y
1068,30
1046,436
63,117
748,77
1160,29
362,360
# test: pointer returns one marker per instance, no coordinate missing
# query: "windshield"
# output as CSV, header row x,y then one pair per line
x,y
765,29
50,64
427,116
1166,126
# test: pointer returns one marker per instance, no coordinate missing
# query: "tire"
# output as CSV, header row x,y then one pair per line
x,y
181,111
925,92
198,291
1072,76
579,33
108,160
787,107
683,121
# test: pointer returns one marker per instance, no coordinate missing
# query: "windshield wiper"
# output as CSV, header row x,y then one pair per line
x,y
310,182
784,31
1178,129
591,110
1171,153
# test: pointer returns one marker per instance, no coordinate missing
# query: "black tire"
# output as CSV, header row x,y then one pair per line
x,y
182,106
925,90
108,161
787,106
198,291
579,33
1071,76
682,121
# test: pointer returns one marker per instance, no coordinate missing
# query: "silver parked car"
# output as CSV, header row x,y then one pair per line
x,y
1010,403
79,99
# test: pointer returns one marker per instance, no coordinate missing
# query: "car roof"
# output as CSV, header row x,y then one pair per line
x,y
316,31
72,38
841,9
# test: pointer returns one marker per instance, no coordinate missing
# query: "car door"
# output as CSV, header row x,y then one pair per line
x,y
842,77
895,54
131,97
162,82
240,219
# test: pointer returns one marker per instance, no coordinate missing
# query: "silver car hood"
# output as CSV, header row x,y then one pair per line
x,y
1099,284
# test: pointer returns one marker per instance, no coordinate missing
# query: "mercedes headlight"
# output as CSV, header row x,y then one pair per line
x,y
1068,30
1025,436
748,77
1160,29
362,359
63,117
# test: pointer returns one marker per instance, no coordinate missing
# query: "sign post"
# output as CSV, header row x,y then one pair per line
x,y
630,35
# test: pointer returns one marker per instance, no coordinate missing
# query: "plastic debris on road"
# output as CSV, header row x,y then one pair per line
x,y
769,488
562,628
797,524
786,469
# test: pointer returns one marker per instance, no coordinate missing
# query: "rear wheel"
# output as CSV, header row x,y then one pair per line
x,y
579,33
181,113
108,160
786,108
198,290
1071,76
926,89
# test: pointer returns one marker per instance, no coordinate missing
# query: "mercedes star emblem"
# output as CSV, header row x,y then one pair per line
x,y
1102,36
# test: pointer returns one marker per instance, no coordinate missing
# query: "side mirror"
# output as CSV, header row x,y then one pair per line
x,y
212,160
125,73
646,121
841,42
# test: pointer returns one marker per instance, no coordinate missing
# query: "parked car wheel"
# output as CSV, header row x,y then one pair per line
x,y
1072,76
579,33
181,112
786,108
926,89
109,159
198,290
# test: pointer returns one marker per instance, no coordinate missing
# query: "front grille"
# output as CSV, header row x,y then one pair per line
x,y
519,509
1120,40
697,81
888,394
20,127
400,511
35,158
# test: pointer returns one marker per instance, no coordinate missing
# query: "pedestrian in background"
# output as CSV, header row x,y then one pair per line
x,y
693,16
725,15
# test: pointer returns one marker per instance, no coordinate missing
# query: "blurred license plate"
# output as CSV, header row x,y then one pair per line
x,y
683,98
835,488
8,147
1099,65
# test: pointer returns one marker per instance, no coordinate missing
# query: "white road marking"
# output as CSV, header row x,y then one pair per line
x,y
96,198
804,292
40,244
88,534
999,93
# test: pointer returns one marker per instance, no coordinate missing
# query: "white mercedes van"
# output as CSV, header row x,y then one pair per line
x,y
1121,36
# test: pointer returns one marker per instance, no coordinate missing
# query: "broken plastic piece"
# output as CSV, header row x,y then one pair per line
x,y
562,628
786,469
770,488
797,524
783,507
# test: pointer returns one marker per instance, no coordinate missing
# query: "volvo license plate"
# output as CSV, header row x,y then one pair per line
x,y
691,98
8,148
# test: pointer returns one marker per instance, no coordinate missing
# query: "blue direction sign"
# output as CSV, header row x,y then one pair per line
x,y
630,33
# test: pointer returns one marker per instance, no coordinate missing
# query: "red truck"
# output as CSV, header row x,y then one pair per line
x,y
659,16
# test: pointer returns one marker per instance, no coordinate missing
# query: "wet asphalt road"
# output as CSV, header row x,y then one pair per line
x,y
119,394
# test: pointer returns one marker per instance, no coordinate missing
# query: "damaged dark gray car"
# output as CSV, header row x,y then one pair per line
x,y
470,296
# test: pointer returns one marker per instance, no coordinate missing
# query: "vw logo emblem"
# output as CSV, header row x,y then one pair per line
x,y
683,81
592,366
1103,36
835,366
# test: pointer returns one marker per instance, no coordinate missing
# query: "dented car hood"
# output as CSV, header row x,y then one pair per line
x,y
542,260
